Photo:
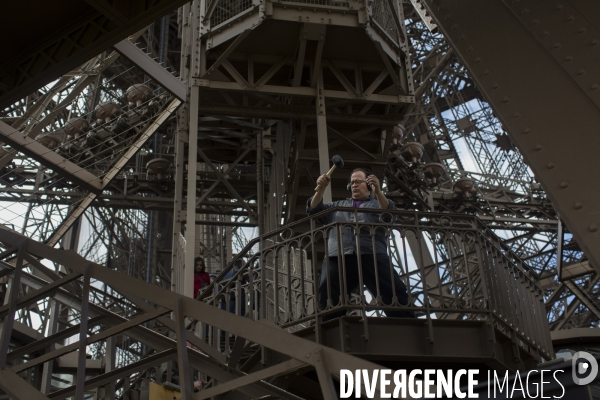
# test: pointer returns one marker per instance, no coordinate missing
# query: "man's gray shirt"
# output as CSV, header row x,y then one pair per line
x,y
349,241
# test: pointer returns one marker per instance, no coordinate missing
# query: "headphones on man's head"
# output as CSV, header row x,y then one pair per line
x,y
367,174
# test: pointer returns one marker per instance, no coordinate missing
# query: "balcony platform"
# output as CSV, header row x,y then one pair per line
x,y
456,343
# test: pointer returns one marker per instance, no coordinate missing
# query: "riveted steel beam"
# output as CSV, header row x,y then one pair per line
x,y
163,77
49,158
80,30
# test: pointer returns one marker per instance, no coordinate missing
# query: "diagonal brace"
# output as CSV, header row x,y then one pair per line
x,y
227,184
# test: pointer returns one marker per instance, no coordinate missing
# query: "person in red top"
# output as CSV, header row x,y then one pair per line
x,y
201,277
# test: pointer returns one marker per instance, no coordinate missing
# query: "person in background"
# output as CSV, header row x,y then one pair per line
x,y
201,277
231,299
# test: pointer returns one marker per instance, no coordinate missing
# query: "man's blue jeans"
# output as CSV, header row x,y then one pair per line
x,y
386,278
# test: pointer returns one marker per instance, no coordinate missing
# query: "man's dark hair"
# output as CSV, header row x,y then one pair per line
x,y
366,171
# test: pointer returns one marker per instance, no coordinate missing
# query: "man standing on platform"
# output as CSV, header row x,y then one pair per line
x,y
374,263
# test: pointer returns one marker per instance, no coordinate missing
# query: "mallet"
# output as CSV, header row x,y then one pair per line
x,y
337,163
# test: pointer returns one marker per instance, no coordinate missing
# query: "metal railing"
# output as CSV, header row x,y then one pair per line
x,y
225,10
328,3
222,13
383,16
450,266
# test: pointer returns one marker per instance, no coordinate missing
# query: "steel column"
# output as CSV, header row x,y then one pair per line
x,y
322,132
11,300
190,226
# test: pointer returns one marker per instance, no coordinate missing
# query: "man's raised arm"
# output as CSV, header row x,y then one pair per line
x,y
384,203
322,181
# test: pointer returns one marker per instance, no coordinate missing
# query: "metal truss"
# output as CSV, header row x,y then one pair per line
x,y
99,25
297,353
95,150
254,132
513,93
449,111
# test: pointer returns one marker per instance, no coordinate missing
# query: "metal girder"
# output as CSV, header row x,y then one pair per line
x,y
303,91
584,297
11,300
263,334
49,158
37,58
580,296
112,376
425,17
40,293
284,367
47,341
93,338
17,388
536,63
88,71
221,178
291,111
156,71
441,64
114,170
227,52
211,366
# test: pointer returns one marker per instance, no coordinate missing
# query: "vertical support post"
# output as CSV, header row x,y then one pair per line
x,y
111,352
52,326
421,251
194,98
153,216
190,227
260,184
9,319
322,133
83,328
559,248
180,139
260,191
126,387
185,378
198,61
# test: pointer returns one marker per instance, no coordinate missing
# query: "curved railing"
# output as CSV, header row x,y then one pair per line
x,y
453,267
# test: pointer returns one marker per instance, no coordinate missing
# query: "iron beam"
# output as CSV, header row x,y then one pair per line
x,y
49,158
163,77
